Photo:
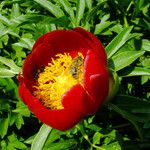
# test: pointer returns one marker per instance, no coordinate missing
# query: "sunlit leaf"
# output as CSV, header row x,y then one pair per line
x,y
56,11
123,59
41,137
117,42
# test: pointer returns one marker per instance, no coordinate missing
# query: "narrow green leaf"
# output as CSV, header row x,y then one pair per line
x,y
94,11
112,146
118,42
4,20
123,59
30,139
53,136
10,63
80,11
89,4
61,145
127,116
146,45
15,11
67,7
134,105
6,73
134,71
41,137
4,122
55,10
102,26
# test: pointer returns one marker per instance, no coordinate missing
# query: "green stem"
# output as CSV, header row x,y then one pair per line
x,y
80,127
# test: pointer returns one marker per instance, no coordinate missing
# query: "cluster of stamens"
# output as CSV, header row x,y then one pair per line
x,y
61,74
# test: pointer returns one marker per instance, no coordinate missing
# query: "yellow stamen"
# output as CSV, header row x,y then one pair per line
x,y
60,75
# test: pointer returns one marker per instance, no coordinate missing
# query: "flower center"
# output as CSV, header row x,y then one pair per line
x,y
56,78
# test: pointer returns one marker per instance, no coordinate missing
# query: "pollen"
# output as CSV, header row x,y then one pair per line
x,y
57,77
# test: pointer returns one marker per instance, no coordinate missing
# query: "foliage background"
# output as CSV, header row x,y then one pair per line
x,y
123,27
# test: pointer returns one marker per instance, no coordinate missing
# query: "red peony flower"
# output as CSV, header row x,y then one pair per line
x,y
65,77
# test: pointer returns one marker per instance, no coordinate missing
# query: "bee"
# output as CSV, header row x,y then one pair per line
x,y
75,66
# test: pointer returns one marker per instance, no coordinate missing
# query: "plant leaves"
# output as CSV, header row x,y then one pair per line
x,y
56,11
4,122
41,137
61,145
80,11
127,116
67,7
134,71
118,42
123,59
10,63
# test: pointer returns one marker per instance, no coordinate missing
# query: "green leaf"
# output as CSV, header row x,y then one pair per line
x,y
103,25
89,4
80,11
19,121
146,45
127,116
61,145
94,11
29,140
10,63
118,42
53,136
112,146
24,111
15,11
6,73
4,122
41,137
67,7
14,142
96,138
134,105
55,10
4,20
123,59
134,71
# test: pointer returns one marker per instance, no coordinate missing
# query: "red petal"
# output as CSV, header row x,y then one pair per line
x,y
96,78
48,46
39,41
59,119
77,98
60,41
94,43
